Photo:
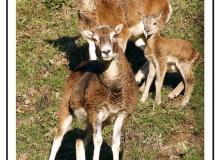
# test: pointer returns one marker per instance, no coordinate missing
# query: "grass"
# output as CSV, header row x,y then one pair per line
x,y
47,37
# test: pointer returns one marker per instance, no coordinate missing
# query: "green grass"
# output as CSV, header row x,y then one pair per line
x,y
46,31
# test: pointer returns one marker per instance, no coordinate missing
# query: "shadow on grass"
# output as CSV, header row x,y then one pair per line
x,y
67,149
135,56
74,51
172,79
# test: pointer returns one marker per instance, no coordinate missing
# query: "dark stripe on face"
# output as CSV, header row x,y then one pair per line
x,y
105,40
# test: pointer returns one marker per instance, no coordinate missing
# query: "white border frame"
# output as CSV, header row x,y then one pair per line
x,y
217,79
208,79
12,79
3,80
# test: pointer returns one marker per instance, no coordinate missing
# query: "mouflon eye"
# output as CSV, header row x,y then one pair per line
x,y
155,23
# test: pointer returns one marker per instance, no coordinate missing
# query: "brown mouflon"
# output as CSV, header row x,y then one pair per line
x,y
101,92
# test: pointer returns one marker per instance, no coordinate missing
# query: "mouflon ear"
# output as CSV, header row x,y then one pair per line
x,y
87,34
118,28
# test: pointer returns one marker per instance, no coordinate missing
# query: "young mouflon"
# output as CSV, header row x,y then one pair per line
x,y
99,92
163,52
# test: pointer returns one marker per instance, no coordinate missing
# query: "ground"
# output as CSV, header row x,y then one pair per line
x,y
48,44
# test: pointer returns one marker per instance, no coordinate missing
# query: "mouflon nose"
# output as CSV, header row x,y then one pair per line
x,y
106,52
147,30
